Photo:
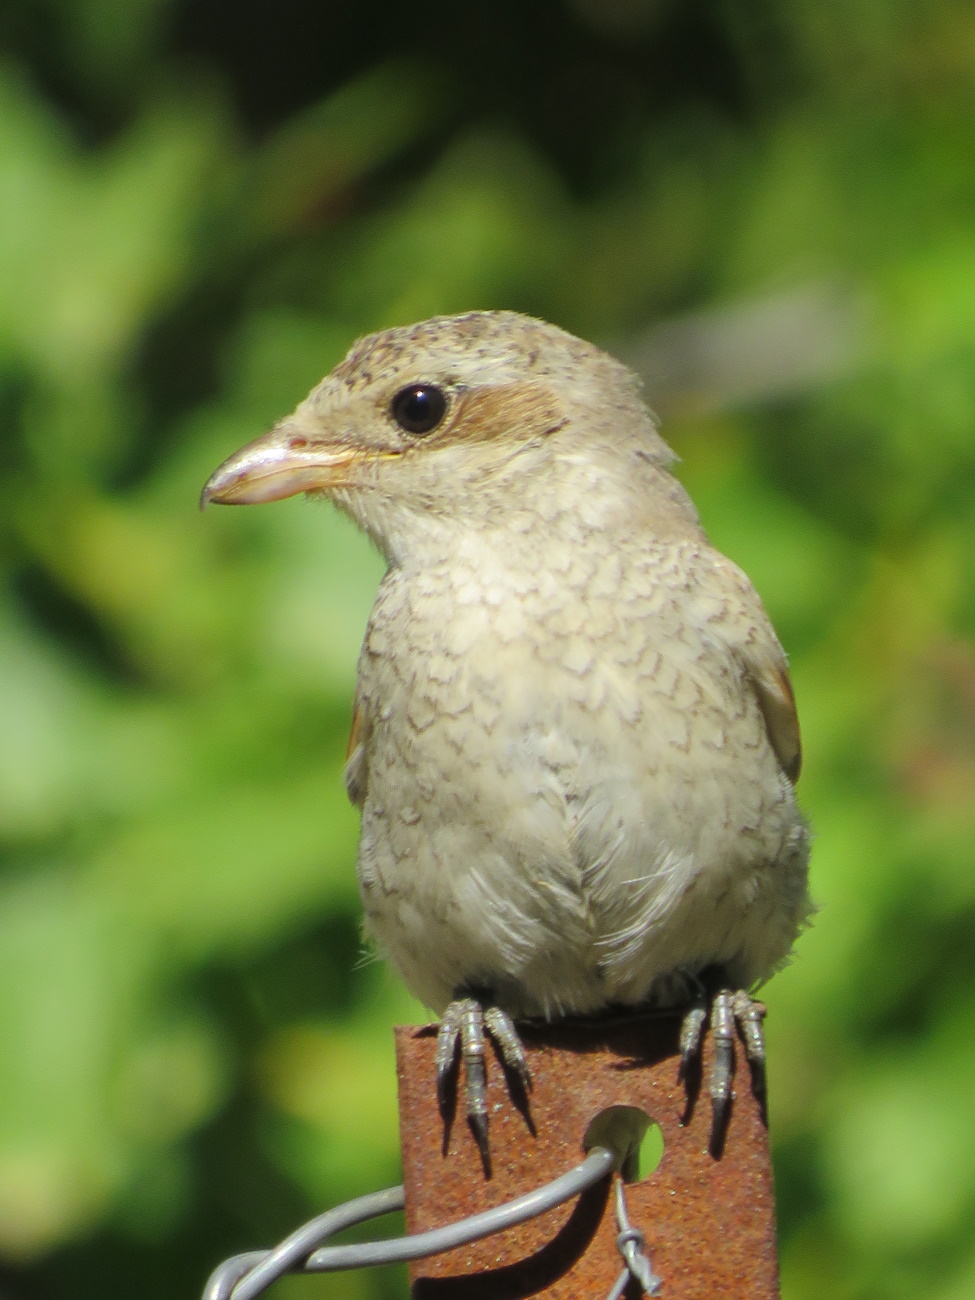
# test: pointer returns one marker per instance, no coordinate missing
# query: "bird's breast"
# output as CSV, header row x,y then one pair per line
x,y
556,754
487,666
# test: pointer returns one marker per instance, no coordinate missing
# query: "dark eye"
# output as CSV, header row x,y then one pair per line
x,y
419,408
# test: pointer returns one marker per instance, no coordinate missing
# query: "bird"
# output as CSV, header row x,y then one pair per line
x,y
574,739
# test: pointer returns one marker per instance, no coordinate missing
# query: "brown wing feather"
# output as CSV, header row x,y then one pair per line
x,y
749,635
356,770
778,705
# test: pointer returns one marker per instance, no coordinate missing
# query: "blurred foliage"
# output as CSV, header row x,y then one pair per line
x,y
200,207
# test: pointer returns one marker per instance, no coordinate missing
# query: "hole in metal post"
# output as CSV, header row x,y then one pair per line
x,y
651,1151
631,1135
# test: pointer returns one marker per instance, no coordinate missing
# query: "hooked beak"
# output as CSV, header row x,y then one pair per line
x,y
279,464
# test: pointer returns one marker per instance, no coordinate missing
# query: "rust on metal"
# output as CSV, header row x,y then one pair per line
x,y
707,1214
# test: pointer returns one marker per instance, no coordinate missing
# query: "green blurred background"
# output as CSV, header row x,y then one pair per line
x,y
769,208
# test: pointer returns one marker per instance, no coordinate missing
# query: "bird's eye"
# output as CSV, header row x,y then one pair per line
x,y
419,408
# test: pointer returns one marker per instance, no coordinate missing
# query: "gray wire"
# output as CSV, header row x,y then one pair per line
x,y
245,1276
262,1267
593,1169
630,1244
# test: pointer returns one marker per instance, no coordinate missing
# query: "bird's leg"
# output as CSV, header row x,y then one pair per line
x,y
691,1033
723,1033
749,1015
465,1021
728,1010
447,1036
502,1029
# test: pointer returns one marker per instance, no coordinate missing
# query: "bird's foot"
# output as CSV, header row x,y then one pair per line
x,y
465,1022
728,1010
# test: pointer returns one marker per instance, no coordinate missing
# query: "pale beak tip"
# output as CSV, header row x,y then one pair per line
x,y
217,488
211,492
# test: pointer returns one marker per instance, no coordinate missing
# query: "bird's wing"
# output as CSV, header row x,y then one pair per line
x,y
769,676
746,625
356,767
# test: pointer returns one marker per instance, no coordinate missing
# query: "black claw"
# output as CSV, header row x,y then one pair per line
x,y
719,1113
444,1090
479,1129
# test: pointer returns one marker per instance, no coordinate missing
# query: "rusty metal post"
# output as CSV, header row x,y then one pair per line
x,y
707,1215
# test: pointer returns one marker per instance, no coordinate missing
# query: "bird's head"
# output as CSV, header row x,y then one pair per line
x,y
458,417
